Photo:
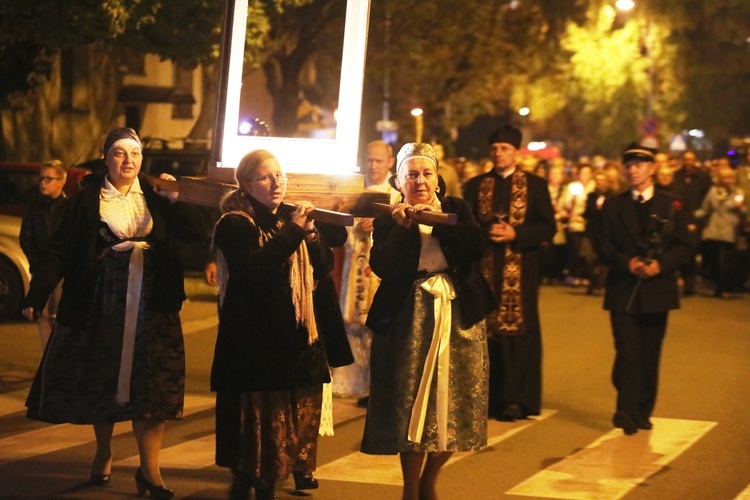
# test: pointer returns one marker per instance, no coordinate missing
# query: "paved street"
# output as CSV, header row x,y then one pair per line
x,y
697,450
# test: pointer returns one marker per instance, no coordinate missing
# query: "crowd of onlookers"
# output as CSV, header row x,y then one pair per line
x,y
713,192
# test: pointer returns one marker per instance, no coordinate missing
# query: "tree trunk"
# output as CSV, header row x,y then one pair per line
x,y
204,125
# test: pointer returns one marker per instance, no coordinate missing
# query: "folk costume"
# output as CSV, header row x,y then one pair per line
x,y
513,272
429,354
116,352
270,363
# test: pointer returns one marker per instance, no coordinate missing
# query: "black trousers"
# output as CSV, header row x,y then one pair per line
x,y
638,340
516,372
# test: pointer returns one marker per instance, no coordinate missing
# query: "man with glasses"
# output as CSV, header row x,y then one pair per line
x,y
42,218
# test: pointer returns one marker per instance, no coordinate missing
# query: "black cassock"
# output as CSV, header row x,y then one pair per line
x,y
516,360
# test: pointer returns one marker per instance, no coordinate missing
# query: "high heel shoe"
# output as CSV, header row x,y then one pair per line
x,y
154,490
304,480
99,479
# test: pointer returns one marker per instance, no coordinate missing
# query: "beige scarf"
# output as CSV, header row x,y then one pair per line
x,y
300,276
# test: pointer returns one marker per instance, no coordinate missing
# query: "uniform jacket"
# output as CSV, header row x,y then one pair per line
x,y
260,346
395,257
72,252
620,238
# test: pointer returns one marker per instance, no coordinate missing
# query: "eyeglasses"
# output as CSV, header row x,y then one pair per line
x,y
265,181
46,180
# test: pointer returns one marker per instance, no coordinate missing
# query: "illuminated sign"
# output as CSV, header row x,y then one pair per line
x,y
334,155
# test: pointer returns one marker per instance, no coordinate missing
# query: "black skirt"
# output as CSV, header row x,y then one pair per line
x,y
77,379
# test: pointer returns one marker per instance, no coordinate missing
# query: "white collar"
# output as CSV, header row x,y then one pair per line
x,y
110,191
647,193
507,173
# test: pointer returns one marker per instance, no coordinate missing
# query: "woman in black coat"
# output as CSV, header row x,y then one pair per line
x,y
270,362
116,352
429,368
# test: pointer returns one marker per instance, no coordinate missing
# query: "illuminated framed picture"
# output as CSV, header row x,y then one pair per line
x,y
314,129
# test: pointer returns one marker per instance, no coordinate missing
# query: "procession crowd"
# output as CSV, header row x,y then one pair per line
x,y
428,313
713,189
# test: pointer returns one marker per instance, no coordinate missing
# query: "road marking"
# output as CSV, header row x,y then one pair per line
x,y
194,454
197,325
199,453
61,436
614,464
386,469
745,495
13,402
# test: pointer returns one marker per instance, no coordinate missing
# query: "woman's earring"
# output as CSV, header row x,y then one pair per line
x,y
437,189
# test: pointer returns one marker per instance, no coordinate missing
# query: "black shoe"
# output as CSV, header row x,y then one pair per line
x,y
512,412
363,402
644,423
154,490
264,490
99,479
304,481
241,484
623,421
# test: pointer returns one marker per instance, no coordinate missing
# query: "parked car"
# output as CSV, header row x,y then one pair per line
x,y
14,267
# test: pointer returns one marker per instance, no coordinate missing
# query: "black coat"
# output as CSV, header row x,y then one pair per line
x,y
42,218
260,346
72,252
395,257
620,238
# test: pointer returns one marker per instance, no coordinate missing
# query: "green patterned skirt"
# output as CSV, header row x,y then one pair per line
x,y
397,362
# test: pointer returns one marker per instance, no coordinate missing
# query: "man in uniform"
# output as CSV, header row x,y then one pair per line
x,y
643,238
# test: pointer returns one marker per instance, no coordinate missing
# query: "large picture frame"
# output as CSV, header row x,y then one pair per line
x,y
298,155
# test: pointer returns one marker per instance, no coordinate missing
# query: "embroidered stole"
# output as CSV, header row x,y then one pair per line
x,y
508,318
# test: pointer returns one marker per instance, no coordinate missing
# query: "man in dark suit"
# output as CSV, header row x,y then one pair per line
x,y
643,238
517,231
691,184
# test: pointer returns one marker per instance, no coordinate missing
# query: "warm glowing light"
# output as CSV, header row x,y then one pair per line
x,y
625,4
536,146
337,155
245,128
524,111
575,188
416,112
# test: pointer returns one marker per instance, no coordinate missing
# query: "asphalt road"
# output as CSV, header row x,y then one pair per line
x,y
697,450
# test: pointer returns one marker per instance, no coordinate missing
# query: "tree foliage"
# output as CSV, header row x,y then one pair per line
x,y
459,60
585,71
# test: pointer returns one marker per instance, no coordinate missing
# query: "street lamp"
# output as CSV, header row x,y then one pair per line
x,y
524,111
418,123
625,5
